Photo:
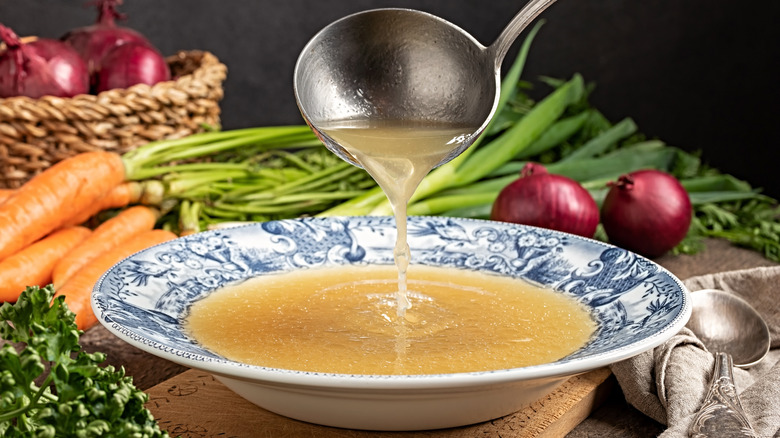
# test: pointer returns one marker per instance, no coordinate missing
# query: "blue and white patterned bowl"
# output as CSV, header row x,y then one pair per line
x,y
637,304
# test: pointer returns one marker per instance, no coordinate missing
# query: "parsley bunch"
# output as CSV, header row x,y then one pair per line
x,y
50,387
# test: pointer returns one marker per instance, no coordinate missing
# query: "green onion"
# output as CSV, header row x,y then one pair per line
x,y
599,144
278,172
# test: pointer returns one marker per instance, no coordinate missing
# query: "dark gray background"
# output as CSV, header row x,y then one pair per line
x,y
698,74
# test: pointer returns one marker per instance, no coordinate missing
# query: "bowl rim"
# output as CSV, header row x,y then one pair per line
x,y
361,382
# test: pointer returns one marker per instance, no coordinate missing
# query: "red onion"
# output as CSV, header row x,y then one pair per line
x,y
39,68
131,64
95,41
648,212
545,200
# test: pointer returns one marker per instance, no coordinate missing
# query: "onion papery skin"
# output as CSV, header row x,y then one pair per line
x,y
44,67
131,64
94,42
546,200
647,212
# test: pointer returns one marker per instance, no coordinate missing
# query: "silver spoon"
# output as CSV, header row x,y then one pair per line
x,y
738,336
403,64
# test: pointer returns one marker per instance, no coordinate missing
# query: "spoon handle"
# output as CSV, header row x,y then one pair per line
x,y
721,415
519,22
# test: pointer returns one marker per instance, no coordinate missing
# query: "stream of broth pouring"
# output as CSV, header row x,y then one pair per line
x,y
398,154
464,321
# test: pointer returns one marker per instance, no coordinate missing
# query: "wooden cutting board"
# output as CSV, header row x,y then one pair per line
x,y
194,404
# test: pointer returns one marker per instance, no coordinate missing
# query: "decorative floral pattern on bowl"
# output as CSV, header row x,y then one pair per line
x,y
636,303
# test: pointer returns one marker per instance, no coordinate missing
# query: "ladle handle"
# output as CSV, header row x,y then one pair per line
x,y
721,415
519,22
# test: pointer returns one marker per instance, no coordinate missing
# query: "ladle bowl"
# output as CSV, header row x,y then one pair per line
x,y
402,64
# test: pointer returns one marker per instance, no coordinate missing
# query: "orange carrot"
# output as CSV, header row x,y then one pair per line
x,y
33,265
128,193
120,196
51,198
5,194
106,236
78,289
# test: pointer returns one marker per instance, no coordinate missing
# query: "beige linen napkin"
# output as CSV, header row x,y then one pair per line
x,y
670,382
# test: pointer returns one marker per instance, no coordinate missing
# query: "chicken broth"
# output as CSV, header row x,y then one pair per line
x,y
398,154
344,320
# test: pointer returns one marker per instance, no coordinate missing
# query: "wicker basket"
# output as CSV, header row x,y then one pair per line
x,y
36,133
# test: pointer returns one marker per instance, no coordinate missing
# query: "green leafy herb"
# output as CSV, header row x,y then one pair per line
x,y
753,224
50,387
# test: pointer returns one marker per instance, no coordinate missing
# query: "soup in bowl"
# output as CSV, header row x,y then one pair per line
x,y
301,316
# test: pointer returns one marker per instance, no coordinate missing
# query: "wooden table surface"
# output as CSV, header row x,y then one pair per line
x,y
614,418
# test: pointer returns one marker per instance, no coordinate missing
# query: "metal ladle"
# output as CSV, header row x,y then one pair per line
x,y
738,336
402,64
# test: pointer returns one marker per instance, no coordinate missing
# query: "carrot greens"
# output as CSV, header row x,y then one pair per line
x,y
278,172
251,174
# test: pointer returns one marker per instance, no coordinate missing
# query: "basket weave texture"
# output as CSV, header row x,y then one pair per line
x,y
36,133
